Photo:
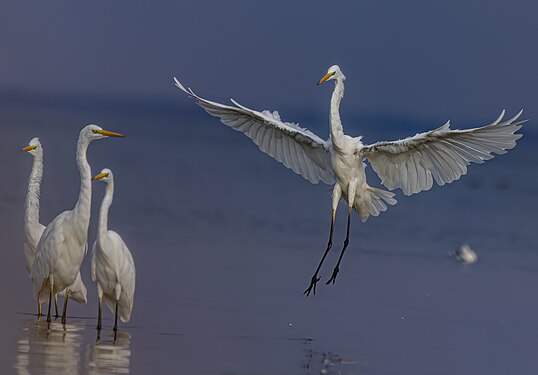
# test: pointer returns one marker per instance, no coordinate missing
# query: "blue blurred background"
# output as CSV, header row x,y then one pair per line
x,y
415,59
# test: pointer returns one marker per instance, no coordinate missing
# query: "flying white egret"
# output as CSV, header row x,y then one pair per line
x,y
62,246
33,229
113,268
410,164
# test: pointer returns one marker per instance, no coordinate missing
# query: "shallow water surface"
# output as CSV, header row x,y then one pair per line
x,y
225,240
63,349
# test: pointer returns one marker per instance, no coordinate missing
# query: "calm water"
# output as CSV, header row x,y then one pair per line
x,y
225,241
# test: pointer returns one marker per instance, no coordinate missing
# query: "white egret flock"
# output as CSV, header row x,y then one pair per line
x,y
54,252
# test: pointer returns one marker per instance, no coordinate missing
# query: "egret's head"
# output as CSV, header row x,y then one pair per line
x,y
105,175
92,132
333,73
34,147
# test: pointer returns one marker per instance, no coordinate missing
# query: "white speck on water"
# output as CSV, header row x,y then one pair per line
x,y
465,255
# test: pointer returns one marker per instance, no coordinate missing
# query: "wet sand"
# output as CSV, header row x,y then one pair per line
x,y
225,241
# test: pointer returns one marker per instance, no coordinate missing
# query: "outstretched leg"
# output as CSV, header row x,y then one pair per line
x,y
352,189
66,299
346,243
39,310
337,193
56,305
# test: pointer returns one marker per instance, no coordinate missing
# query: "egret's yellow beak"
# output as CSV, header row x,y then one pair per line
x,y
100,176
326,77
108,133
29,148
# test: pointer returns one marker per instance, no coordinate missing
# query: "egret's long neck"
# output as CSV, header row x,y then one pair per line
x,y
103,213
83,207
337,131
31,214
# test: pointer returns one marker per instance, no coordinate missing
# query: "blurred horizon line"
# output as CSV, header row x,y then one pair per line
x,y
164,106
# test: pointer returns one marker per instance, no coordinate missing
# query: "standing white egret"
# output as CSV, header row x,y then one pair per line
x,y
113,268
410,164
62,246
33,229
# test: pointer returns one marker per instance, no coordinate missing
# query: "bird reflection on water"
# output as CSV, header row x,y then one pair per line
x,y
59,349
110,354
49,348
327,362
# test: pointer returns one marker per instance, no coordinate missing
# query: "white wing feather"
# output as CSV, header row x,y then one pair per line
x,y
441,154
298,149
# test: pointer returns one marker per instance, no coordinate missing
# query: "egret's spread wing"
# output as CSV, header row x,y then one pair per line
x,y
298,149
441,154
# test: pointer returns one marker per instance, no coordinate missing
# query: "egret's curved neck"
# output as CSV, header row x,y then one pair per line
x,y
31,214
337,131
83,206
103,213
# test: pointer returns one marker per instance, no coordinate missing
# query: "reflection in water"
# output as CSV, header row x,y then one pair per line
x,y
58,349
109,356
329,363
49,349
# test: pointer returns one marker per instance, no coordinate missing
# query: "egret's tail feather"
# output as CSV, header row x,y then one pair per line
x,y
373,203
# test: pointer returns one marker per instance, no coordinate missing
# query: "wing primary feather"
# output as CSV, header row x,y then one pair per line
x,y
499,118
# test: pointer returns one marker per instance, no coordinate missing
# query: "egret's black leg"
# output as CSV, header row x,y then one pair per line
x,y
99,313
64,316
315,278
51,282
346,243
56,305
116,319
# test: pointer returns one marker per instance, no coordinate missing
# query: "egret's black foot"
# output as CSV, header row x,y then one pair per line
x,y
312,286
333,277
64,320
48,318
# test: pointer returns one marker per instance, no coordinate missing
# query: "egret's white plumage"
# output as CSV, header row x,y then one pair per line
x,y
410,164
62,246
77,290
113,268
33,229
